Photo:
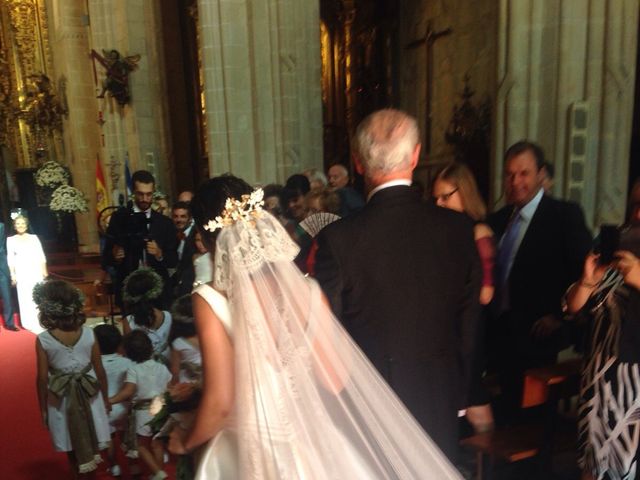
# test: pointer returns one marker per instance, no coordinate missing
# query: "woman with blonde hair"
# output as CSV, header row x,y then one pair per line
x,y
455,188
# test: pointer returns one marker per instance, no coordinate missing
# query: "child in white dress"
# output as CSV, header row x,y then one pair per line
x,y
115,366
140,292
145,380
186,361
70,378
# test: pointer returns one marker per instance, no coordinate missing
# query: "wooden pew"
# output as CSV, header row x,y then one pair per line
x,y
542,386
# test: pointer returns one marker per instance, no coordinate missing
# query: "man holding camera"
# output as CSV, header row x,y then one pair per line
x,y
137,236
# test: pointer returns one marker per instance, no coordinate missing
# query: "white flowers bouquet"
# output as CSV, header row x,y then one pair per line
x,y
51,174
66,198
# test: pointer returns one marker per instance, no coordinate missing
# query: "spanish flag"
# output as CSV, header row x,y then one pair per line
x,y
102,197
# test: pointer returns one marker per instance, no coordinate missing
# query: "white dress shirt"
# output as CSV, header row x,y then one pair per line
x,y
390,183
526,214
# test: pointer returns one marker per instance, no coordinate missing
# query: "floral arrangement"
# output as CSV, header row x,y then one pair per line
x,y
66,198
235,210
51,174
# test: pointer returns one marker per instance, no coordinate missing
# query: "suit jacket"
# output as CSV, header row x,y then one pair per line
x,y
4,267
184,275
160,229
404,277
549,259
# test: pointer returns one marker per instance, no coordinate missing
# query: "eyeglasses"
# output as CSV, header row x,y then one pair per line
x,y
445,196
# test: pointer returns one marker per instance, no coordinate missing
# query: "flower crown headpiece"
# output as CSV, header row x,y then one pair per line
x,y
56,308
151,294
243,210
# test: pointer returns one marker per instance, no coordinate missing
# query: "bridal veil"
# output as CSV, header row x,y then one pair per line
x,y
309,405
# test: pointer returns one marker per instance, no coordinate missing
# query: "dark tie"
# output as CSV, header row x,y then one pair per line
x,y
180,235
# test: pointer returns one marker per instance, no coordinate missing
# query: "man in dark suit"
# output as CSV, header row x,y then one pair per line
x,y
137,236
541,250
5,284
404,278
185,273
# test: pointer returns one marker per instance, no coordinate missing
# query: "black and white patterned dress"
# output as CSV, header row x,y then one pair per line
x,y
609,409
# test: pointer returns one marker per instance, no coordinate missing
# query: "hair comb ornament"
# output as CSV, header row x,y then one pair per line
x,y
17,212
243,210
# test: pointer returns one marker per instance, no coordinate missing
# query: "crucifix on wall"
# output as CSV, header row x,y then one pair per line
x,y
427,41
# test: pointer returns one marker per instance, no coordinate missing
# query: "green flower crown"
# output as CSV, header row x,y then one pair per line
x,y
151,294
55,308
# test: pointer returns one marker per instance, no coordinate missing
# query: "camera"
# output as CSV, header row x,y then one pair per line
x,y
613,238
132,233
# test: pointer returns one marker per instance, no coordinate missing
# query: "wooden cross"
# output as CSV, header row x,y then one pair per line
x,y
428,40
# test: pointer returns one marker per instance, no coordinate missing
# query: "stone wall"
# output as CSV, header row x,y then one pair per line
x,y
139,128
470,49
566,73
261,62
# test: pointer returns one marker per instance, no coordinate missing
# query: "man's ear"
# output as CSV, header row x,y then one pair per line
x,y
415,156
357,163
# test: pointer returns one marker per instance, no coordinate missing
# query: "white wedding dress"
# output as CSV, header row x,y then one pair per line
x,y
220,457
26,258
308,403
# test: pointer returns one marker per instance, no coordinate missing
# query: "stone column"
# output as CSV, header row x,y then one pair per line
x,y
69,39
566,72
261,61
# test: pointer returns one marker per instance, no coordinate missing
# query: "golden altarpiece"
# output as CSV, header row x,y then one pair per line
x,y
31,102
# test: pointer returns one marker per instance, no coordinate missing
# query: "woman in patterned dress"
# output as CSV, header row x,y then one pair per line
x,y
607,297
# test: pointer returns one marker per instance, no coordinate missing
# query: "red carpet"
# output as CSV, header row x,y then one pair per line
x,y
26,451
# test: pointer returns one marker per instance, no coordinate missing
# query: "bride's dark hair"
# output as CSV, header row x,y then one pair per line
x,y
209,200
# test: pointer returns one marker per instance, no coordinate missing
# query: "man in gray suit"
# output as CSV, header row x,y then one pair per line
x,y
5,284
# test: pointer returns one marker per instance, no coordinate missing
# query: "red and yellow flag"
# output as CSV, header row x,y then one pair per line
x,y
102,196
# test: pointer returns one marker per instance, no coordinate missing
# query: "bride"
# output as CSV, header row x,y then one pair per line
x,y
286,393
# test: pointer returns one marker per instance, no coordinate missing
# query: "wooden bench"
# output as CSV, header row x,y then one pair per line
x,y
542,387
509,445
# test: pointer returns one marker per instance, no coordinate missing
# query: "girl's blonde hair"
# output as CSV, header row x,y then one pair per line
x,y
329,199
459,175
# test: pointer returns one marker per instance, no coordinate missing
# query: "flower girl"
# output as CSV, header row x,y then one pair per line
x,y
141,291
72,387
186,361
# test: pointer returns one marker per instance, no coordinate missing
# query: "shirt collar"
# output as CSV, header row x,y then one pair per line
x,y
390,183
188,228
147,212
530,208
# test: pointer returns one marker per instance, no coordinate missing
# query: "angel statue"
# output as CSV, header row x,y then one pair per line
x,y
116,80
